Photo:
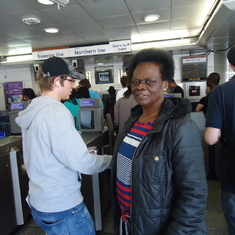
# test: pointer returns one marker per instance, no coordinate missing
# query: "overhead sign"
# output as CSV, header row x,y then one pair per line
x,y
91,50
120,46
43,55
112,47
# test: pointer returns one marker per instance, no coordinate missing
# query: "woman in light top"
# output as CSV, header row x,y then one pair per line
x,y
122,109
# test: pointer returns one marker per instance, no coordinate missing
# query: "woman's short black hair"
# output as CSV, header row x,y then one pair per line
x,y
157,56
29,92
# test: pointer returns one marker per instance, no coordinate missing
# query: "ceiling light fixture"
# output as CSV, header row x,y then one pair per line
x,y
60,2
151,18
51,30
19,58
31,21
160,35
164,44
45,2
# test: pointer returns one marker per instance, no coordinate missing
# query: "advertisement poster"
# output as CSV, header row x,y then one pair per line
x,y
14,91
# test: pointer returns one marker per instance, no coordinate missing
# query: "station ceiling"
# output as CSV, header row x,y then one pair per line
x,y
209,23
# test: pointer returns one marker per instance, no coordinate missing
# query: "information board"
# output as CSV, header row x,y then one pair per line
x,y
194,68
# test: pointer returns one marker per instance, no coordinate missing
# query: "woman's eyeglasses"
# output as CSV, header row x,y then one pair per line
x,y
147,82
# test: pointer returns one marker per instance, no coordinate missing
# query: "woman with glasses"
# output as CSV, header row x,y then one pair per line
x,y
158,175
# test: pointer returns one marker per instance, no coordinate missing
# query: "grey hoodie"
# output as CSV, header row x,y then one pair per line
x,y
55,155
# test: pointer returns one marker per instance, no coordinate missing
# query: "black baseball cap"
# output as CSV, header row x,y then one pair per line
x,y
56,66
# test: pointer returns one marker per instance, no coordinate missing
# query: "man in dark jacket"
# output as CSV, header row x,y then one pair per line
x,y
110,101
176,88
220,123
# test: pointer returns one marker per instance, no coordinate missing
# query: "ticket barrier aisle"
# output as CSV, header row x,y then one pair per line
x,y
14,210
98,197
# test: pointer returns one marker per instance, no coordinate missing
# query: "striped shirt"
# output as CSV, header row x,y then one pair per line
x,y
124,164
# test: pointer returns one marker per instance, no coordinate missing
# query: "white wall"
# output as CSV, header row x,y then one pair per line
x,y
217,62
13,74
16,73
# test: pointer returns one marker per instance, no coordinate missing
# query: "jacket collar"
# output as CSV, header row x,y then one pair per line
x,y
174,108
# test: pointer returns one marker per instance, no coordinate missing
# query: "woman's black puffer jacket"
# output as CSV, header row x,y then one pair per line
x,y
169,188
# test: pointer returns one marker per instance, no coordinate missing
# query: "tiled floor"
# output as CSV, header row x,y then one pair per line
x,y
216,223
214,217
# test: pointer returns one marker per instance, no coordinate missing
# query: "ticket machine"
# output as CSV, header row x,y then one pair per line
x,y
91,117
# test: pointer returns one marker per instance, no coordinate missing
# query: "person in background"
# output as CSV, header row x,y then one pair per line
x,y
73,103
122,109
123,81
176,88
93,94
158,172
86,83
55,155
110,101
82,92
28,94
212,81
220,126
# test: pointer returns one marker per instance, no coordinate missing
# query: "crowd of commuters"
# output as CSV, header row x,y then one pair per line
x,y
158,173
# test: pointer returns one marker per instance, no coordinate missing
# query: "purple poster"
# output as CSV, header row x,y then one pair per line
x,y
14,91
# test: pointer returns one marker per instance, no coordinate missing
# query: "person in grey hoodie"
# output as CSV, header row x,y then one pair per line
x,y
55,156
